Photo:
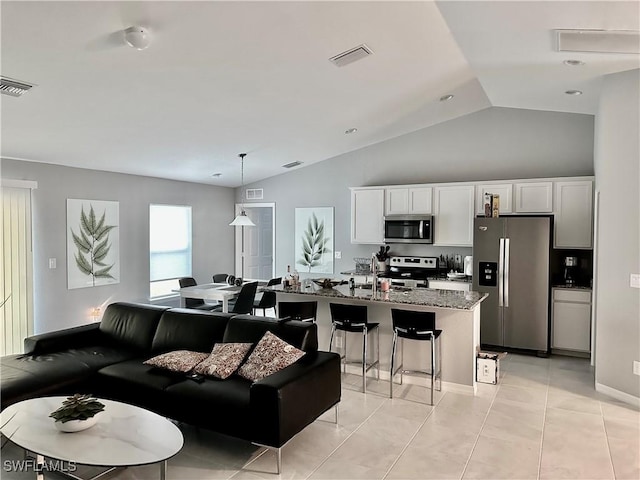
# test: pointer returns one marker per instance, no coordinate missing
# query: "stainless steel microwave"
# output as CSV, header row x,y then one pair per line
x,y
408,229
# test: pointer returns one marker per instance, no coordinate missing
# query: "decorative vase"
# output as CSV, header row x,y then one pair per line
x,y
76,425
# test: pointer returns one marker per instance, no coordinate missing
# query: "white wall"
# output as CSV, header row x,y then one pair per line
x,y
57,307
617,170
493,144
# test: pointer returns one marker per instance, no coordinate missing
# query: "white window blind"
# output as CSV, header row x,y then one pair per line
x,y
169,247
16,264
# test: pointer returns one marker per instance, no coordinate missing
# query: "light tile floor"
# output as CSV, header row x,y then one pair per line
x,y
544,420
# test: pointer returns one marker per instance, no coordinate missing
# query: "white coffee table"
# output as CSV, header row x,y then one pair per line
x,y
124,435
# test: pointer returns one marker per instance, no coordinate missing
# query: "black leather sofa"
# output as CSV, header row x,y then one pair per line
x,y
106,359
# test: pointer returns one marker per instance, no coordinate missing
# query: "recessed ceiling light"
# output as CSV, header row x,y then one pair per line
x,y
573,92
216,175
445,98
350,131
573,63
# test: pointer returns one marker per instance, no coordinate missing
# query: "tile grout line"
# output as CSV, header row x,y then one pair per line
x,y
606,437
343,442
484,421
412,437
544,422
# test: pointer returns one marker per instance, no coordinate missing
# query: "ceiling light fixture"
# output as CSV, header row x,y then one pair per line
x,y
242,220
445,98
573,92
573,63
350,131
137,37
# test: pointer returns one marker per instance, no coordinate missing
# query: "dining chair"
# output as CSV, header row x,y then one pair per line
x,y
243,303
220,278
195,303
268,299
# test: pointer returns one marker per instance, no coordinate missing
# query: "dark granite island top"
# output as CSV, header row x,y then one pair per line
x,y
417,296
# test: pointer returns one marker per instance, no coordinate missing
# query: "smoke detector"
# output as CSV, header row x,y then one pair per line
x,y
137,37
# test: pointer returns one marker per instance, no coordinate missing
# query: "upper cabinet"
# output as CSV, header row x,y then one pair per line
x,y
411,200
505,190
453,215
534,197
573,211
367,215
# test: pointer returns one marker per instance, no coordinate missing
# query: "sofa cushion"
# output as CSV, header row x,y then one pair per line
x,y
224,360
271,355
179,361
248,328
188,329
130,325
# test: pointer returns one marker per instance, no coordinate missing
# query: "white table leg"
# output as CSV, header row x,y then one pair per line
x,y
225,304
183,301
163,470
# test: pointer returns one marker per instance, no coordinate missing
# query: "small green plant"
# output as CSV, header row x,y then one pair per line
x,y
314,243
78,407
93,245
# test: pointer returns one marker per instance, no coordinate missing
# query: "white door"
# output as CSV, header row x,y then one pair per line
x,y
257,243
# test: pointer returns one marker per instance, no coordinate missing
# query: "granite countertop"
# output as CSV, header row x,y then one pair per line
x,y
418,296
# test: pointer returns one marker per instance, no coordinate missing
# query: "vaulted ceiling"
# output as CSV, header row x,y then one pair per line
x,y
220,78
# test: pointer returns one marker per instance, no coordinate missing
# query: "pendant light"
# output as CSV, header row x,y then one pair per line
x,y
242,220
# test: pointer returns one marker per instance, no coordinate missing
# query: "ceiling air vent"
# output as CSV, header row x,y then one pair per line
x,y
254,193
14,88
292,164
599,41
350,56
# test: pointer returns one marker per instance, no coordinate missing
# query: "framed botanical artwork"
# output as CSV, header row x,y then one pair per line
x,y
314,240
93,246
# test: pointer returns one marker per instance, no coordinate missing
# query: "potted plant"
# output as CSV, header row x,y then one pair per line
x,y
77,413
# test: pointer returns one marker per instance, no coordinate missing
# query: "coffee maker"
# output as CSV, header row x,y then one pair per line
x,y
570,271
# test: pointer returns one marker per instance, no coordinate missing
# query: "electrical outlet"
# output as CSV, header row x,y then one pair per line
x,y
634,280
338,254
52,263
636,367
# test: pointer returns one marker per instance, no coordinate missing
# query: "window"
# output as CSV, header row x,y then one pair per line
x,y
169,247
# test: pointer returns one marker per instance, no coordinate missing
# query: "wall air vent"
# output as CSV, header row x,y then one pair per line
x,y
12,87
599,41
292,164
352,55
254,194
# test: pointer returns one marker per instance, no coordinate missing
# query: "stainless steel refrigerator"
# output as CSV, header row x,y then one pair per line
x,y
511,264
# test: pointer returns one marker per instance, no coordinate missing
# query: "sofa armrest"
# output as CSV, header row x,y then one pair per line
x,y
286,402
63,339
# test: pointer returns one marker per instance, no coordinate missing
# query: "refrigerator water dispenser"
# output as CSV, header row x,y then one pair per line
x,y
488,274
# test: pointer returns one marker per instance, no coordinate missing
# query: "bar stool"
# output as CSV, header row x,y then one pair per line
x,y
353,318
304,311
421,326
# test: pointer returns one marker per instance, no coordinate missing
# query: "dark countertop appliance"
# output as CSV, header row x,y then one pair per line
x,y
408,229
511,264
412,271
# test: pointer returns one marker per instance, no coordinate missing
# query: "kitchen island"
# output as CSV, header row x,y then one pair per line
x,y
457,315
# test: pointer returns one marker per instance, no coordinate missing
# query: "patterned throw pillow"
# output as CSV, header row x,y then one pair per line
x,y
271,355
177,361
224,360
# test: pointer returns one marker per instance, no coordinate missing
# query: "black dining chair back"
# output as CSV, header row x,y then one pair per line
x,y
304,311
268,299
220,278
196,303
246,297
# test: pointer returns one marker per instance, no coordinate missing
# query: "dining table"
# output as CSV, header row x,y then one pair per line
x,y
221,292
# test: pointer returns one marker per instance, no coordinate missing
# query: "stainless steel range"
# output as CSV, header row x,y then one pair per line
x,y
412,271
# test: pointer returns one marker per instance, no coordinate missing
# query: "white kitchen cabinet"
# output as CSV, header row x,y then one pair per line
x,y
448,285
505,190
411,200
573,212
534,197
453,215
571,320
367,215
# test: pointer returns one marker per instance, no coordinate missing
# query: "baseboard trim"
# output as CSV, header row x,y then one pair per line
x,y
618,395
415,380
